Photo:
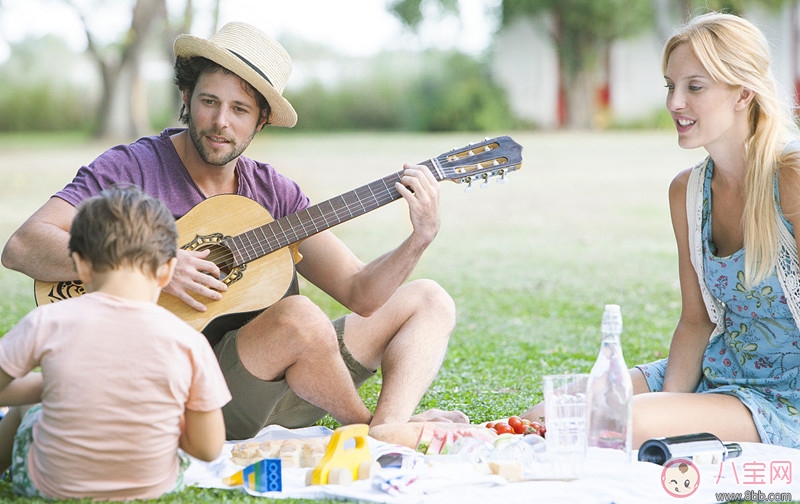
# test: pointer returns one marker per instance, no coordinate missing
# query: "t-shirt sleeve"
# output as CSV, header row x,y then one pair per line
x,y
208,390
111,167
18,348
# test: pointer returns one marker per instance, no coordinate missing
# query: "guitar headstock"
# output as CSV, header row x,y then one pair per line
x,y
479,161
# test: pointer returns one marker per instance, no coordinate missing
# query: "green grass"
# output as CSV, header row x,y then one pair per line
x,y
530,264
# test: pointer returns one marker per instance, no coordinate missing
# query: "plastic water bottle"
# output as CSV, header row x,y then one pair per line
x,y
609,411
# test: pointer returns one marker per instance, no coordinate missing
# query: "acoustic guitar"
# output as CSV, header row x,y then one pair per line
x,y
256,254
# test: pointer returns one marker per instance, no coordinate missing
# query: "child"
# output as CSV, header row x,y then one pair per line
x,y
124,382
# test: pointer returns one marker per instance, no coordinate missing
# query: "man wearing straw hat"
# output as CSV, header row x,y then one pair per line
x,y
289,365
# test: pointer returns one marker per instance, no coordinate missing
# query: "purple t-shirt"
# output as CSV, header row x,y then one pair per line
x,y
153,164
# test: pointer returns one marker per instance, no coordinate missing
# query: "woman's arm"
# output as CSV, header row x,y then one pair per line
x,y
694,327
203,434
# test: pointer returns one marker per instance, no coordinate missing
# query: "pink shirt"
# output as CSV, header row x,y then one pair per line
x,y
118,376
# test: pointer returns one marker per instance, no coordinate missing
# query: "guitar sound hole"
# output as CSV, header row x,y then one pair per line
x,y
221,256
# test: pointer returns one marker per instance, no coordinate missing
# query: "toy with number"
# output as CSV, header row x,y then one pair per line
x,y
262,476
344,462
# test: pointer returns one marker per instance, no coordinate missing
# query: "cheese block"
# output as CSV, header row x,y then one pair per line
x,y
304,452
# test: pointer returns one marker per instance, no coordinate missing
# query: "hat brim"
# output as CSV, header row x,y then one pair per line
x,y
282,113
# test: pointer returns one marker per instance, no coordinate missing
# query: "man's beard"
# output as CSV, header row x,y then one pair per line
x,y
216,158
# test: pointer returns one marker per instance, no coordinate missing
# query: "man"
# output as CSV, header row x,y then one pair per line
x,y
288,365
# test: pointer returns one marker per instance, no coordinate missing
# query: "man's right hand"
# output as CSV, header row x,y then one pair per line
x,y
195,274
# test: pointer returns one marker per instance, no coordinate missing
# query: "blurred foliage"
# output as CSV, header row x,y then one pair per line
x,y
731,6
582,29
432,91
581,32
34,97
39,107
445,91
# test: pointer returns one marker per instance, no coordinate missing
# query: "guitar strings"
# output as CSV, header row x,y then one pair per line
x,y
281,232
354,205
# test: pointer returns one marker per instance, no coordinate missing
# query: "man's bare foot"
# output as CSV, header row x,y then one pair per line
x,y
437,415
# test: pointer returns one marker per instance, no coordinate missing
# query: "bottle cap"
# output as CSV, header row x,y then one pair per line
x,y
733,450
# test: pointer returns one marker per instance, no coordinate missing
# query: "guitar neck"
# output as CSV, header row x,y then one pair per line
x,y
293,228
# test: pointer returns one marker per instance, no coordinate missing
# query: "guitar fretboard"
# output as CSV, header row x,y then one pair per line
x,y
282,232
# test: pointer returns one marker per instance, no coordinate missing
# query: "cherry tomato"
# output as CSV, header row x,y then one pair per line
x,y
503,428
516,423
536,428
490,425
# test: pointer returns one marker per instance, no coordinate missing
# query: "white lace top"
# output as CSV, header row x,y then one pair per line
x,y
788,266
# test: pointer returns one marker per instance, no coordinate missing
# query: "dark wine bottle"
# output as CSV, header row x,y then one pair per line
x,y
701,448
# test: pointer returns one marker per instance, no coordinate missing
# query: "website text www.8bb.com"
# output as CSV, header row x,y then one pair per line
x,y
754,495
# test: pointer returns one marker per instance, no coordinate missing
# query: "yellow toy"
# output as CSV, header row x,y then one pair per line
x,y
342,465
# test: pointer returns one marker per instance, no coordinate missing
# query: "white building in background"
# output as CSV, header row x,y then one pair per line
x,y
524,62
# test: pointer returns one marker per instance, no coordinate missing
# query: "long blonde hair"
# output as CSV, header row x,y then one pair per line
x,y
735,52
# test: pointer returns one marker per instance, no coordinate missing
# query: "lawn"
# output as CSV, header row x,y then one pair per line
x,y
530,263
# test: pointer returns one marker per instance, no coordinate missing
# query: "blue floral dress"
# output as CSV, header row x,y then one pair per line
x,y
757,358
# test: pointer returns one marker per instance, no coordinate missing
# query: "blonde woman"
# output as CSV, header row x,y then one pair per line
x,y
734,360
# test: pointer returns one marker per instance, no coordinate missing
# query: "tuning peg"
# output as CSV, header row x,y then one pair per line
x,y
485,183
502,179
469,185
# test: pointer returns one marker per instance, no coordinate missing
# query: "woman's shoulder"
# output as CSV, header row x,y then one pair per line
x,y
681,181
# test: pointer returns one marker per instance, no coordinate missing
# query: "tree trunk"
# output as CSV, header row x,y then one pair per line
x,y
580,91
120,114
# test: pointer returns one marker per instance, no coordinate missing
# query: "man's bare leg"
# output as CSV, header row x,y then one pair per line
x,y
407,338
296,340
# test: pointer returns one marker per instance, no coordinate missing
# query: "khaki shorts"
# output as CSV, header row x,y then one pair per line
x,y
257,403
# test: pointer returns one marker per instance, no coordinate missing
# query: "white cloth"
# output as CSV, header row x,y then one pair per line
x,y
443,479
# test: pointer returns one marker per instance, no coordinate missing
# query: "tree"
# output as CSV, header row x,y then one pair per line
x,y
118,60
667,10
581,32
122,110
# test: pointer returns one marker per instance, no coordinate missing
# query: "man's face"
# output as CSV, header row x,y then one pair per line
x,y
223,117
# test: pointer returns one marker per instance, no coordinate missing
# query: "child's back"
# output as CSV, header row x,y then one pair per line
x,y
117,375
124,382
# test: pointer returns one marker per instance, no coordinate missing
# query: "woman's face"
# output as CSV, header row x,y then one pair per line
x,y
705,111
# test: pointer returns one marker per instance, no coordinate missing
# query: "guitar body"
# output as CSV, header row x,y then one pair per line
x,y
257,285
251,287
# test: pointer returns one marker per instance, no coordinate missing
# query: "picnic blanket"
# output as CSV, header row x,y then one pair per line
x,y
760,473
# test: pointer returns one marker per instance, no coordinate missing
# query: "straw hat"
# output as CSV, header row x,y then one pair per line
x,y
252,55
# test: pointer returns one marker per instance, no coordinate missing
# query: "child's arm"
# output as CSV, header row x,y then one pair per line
x,y
19,391
203,434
